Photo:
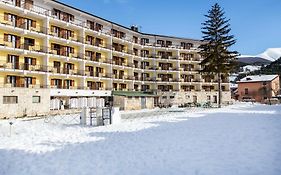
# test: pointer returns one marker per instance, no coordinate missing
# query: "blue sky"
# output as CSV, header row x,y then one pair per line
x,y
256,24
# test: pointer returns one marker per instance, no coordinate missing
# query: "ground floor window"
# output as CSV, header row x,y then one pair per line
x,y
10,99
36,99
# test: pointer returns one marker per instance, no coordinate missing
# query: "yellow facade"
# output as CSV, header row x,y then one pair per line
x,y
60,57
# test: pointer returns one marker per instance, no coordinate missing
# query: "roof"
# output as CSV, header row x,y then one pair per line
x,y
155,35
132,94
258,78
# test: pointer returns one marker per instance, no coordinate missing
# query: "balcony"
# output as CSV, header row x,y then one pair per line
x,y
24,26
23,66
96,44
96,88
20,85
66,87
17,45
67,37
67,18
28,6
66,71
61,52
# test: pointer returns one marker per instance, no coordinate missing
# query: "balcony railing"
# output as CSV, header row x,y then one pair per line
x,y
95,88
23,66
20,85
30,7
16,45
61,52
81,23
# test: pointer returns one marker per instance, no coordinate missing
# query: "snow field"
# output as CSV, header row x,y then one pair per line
x,y
239,139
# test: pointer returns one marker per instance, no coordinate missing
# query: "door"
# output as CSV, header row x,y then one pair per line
x,y
27,82
12,80
28,62
121,75
194,99
57,66
68,67
14,60
18,3
12,39
28,42
143,103
91,70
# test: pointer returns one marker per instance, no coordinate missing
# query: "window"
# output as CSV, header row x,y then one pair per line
x,y
215,100
29,41
172,97
246,91
36,99
10,99
144,41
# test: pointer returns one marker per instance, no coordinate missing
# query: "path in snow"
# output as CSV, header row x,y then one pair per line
x,y
237,140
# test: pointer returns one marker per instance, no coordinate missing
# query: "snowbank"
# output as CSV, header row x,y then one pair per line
x,y
239,139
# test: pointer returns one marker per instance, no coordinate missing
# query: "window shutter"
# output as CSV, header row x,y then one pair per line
x,y
33,81
6,16
6,37
8,79
52,46
33,24
21,22
52,82
33,61
18,81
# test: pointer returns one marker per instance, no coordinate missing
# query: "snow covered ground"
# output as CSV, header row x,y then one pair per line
x,y
242,139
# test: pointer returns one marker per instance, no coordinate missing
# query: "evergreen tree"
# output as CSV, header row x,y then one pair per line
x,y
218,60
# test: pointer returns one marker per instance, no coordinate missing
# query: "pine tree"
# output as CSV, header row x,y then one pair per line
x,y
218,60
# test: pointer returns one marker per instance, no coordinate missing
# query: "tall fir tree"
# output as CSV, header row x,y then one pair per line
x,y
218,60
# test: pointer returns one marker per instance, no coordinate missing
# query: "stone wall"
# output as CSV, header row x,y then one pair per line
x,y
178,98
132,103
25,105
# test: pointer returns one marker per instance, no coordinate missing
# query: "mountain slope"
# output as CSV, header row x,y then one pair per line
x,y
268,56
253,60
271,54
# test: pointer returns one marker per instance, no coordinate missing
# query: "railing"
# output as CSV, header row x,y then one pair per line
x,y
173,46
97,44
30,7
195,59
65,36
23,66
41,68
95,88
81,23
75,21
64,87
20,85
34,48
60,52
102,31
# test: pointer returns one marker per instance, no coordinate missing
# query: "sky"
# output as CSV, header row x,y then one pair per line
x,y
256,24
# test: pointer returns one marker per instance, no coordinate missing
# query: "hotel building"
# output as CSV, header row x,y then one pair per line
x,y
53,54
